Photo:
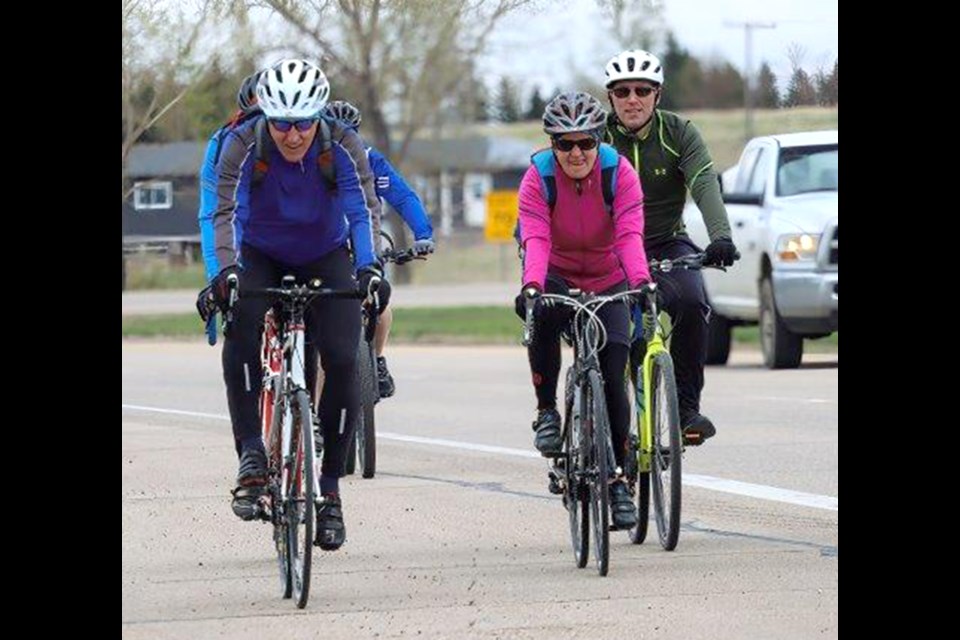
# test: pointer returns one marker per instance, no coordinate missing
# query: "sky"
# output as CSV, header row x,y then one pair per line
x,y
541,46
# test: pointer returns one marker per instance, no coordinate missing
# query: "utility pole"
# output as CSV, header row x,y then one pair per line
x,y
748,28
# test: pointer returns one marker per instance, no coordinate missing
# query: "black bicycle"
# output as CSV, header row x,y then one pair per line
x,y
363,447
582,472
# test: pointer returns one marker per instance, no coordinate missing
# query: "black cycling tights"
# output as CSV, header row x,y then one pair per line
x,y
544,354
334,326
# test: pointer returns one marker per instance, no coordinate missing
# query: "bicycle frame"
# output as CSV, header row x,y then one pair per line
x,y
653,335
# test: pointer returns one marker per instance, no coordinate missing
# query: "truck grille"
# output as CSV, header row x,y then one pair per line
x,y
835,247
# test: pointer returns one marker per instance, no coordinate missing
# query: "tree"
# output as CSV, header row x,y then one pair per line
x,y
507,101
473,98
403,56
768,96
827,93
537,105
158,41
722,86
675,60
800,90
634,24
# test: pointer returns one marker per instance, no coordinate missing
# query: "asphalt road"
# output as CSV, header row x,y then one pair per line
x,y
457,536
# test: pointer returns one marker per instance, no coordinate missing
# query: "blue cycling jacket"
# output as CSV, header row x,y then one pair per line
x,y
291,215
391,186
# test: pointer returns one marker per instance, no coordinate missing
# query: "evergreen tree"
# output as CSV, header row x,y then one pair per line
x,y
537,104
800,90
508,101
766,92
675,60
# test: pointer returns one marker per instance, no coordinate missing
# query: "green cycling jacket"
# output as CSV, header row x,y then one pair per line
x,y
670,157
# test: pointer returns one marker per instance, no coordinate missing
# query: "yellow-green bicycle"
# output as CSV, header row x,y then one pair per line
x,y
659,441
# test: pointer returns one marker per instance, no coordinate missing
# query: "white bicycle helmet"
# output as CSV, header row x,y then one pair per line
x,y
574,112
293,89
634,64
344,112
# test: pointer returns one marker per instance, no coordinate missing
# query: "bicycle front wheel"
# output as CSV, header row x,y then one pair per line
x,y
369,395
639,533
576,498
301,497
667,451
597,443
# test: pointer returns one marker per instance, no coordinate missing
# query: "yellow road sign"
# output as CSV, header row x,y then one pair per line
x,y
501,216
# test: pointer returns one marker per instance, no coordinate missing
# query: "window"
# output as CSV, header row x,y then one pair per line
x,y
758,181
747,164
152,195
808,169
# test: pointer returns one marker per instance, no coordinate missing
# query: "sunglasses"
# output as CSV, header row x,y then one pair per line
x,y
285,125
585,144
624,92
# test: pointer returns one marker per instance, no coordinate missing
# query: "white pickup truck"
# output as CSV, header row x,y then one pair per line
x,y
782,199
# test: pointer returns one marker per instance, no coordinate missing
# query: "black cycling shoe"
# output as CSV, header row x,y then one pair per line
x,y
623,513
697,429
251,479
384,379
549,439
331,533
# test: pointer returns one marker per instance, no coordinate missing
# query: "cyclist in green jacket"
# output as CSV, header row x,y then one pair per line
x,y
670,157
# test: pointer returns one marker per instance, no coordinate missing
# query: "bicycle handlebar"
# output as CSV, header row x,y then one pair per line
x,y
689,261
400,257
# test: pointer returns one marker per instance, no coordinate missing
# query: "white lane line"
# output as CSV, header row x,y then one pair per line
x,y
789,399
763,492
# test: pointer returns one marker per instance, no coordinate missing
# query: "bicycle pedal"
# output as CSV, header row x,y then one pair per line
x,y
555,485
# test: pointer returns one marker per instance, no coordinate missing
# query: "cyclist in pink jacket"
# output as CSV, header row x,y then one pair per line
x,y
575,235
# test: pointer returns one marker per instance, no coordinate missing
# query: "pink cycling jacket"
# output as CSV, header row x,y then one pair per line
x,y
580,241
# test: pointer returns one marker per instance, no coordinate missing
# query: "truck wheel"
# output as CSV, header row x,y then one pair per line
x,y
718,339
781,349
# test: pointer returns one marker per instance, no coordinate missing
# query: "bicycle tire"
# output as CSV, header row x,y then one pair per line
x,y
575,497
639,533
270,414
301,499
369,395
350,459
667,451
598,444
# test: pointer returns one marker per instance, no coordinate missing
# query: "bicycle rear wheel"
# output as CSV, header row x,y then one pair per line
x,y
667,451
369,395
575,497
301,497
271,412
597,442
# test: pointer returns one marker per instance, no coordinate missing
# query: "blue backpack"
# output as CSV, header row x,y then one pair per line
x,y
546,168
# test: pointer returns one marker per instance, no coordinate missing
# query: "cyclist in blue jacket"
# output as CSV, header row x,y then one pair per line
x,y
247,103
390,186
277,213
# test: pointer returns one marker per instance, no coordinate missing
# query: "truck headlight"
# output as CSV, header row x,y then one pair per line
x,y
798,247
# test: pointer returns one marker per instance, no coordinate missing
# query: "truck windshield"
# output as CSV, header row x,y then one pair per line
x,y
807,169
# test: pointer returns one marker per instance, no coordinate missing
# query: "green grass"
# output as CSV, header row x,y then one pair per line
x,y
178,325
157,272
456,324
462,325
